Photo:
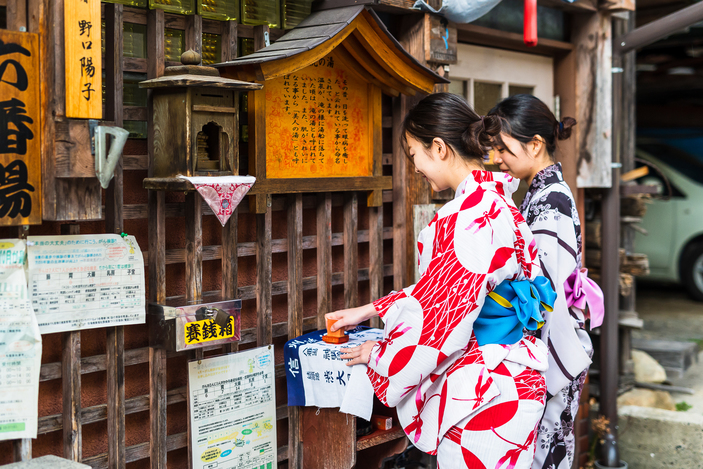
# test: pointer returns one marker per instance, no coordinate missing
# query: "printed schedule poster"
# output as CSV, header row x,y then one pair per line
x,y
233,410
85,281
20,347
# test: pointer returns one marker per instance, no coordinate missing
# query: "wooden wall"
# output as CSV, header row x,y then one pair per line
x,y
104,394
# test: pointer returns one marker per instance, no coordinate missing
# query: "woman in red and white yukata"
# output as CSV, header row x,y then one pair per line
x,y
469,389
525,150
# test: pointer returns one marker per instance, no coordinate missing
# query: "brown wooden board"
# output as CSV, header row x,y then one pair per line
x,y
20,130
83,59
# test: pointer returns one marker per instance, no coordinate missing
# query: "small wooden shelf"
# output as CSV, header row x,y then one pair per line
x,y
378,437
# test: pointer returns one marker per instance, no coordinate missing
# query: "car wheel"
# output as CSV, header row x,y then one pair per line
x,y
692,271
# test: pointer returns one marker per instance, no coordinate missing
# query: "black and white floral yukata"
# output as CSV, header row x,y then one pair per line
x,y
550,211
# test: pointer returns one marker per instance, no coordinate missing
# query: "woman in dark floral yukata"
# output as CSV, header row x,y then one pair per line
x,y
525,150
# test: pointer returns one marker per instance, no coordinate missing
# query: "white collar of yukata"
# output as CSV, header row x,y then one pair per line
x,y
496,181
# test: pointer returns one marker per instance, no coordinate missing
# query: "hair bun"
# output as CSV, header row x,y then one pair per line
x,y
565,126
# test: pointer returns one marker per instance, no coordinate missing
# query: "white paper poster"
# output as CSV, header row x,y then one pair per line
x,y
233,410
85,281
20,347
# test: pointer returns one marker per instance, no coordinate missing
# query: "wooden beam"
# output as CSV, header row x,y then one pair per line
x,y
71,383
295,314
480,35
194,33
376,257
264,308
351,251
324,257
594,98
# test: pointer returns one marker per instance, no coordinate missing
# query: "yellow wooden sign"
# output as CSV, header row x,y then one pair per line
x,y
82,29
20,129
197,332
317,124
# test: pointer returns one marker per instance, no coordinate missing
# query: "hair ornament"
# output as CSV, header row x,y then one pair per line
x,y
561,126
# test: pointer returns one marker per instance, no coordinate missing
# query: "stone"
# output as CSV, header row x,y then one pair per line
x,y
659,439
647,398
44,462
647,369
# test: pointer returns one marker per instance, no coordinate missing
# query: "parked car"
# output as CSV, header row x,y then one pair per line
x,y
674,243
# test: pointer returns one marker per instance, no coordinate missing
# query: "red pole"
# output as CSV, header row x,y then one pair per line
x,y
530,23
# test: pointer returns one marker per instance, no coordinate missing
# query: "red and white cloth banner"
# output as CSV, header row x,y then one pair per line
x,y
222,193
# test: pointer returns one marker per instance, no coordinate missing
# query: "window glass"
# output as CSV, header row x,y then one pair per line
x,y
515,89
486,95
458,87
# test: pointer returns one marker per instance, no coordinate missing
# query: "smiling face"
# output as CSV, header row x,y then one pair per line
x,y
521,159
431,162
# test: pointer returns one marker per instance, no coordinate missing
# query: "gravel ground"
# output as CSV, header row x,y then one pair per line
x,y
669,314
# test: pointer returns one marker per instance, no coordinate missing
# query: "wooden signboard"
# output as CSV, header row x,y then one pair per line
x,y
317,124
20,129
82,26
440,40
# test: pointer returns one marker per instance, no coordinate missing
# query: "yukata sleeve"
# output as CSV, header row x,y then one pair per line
x,y
555,233
432,325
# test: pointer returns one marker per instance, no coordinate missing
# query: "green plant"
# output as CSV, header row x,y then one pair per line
x,y
683,406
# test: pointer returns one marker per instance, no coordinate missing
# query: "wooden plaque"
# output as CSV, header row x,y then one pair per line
x,y
441,40
82,25
317,124
20,129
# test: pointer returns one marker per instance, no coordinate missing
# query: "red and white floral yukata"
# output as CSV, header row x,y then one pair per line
x,y
474,406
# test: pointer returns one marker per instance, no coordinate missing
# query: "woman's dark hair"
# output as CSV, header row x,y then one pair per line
x,y
449,117
523,117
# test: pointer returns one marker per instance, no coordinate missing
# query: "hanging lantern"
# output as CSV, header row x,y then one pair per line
x,y
530,23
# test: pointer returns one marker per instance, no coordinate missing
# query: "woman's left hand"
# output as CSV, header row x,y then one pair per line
x,y
358,354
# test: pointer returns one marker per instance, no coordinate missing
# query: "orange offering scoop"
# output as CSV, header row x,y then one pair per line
x,y
337,337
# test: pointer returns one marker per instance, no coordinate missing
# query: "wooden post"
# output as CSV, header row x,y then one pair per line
x,y
351,251
71,383
400,214
194,33
22,449
376,257
594,98
324,257
16,15
157,256
264,307
114,224
295,313
229,41
157,356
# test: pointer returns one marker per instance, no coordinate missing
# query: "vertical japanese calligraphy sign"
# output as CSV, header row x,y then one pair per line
x,y
82,29
20,129
317,123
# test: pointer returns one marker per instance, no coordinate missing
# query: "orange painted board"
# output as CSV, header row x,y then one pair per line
x,y
20,129
82,25
317,124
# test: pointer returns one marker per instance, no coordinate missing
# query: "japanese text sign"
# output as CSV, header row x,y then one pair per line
x,y
207,330
317,124
20,129
82,29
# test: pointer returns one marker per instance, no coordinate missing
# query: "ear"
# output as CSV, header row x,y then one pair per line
x,y
440,148
536,145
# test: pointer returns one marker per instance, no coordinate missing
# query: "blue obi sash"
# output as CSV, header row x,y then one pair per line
x,y
512,306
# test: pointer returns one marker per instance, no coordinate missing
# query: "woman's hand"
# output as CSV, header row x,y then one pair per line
x,y
358,354
350,318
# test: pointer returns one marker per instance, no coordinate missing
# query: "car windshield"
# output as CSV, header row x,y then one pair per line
x,y
683,162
